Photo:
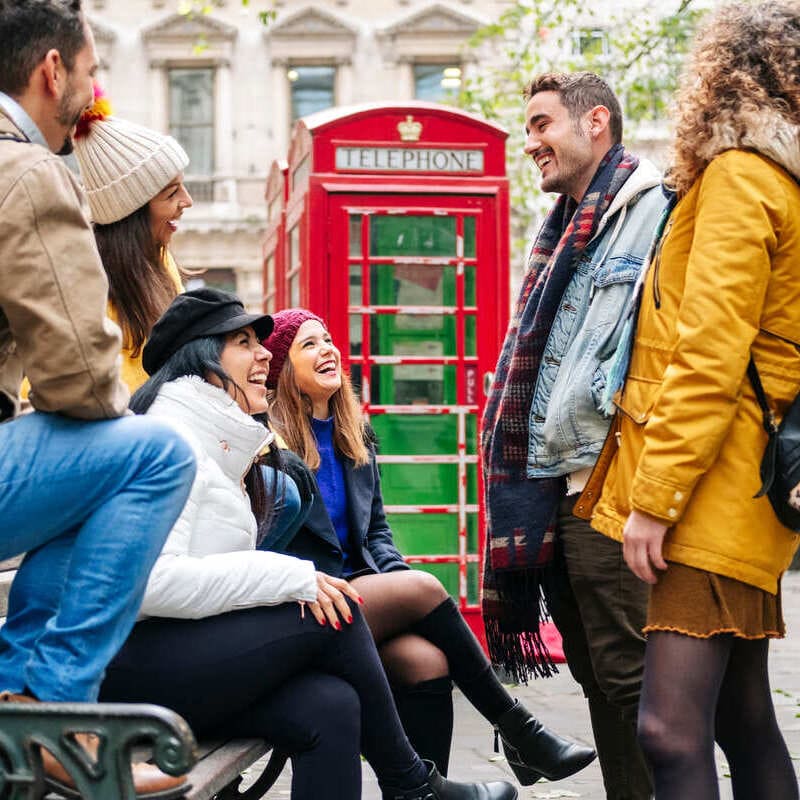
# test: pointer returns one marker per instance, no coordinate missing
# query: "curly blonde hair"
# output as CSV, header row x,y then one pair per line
x,y
740,88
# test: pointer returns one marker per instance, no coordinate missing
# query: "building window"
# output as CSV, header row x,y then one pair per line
x,y
590,42
312,89
191,122
437,83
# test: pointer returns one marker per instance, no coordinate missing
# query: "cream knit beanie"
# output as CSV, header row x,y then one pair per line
x,y
124,166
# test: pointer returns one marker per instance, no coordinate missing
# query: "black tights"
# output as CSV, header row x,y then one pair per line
x,y
698,690
393,602
421,635
424,642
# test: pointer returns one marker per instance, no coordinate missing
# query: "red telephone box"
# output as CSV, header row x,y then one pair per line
x,y
396,232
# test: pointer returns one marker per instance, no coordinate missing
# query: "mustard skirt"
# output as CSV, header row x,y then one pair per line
x,y
703,604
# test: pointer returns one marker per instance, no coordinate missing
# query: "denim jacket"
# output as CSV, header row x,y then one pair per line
x,y
566,427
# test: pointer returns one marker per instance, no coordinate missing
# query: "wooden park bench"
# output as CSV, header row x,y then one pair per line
x,y
125,731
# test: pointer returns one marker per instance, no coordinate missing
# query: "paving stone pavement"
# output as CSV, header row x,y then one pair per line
x,y
559,704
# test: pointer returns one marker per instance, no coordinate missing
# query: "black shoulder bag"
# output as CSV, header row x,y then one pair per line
x,y
780,466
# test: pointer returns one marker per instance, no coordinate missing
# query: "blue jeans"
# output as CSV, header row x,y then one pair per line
x,y
91,503
290,511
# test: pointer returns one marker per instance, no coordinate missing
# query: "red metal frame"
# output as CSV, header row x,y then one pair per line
x,y
273,242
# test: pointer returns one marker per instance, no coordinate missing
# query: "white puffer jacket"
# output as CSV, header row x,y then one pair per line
x,y
209,564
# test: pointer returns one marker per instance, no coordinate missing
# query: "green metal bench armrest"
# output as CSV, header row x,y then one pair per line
x,y
120,727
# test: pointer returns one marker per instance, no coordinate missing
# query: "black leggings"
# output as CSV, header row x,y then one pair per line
x,y
245,672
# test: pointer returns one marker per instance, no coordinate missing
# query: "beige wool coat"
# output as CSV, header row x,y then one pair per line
x,y
53,290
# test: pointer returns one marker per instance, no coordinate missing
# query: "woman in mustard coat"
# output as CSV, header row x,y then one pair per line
x,y
683,459
133,177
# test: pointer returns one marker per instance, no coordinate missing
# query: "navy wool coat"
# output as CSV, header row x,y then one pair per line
x,y
371,543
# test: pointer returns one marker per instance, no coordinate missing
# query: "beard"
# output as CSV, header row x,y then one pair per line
x,y
573,167
68,116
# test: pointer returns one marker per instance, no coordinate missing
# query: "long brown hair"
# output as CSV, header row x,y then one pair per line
x,y
290,412
140,288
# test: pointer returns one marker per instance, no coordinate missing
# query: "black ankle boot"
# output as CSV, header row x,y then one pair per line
x,y
439,788
534,752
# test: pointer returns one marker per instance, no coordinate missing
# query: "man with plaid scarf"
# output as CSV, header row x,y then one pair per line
x,y
548,414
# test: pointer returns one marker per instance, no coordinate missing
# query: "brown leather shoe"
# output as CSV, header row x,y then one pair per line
x,y
149,781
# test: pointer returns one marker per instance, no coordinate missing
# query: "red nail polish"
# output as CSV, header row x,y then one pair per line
x,y
337,625
361,600
349,620
323,622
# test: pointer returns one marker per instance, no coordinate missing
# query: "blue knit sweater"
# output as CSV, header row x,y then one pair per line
x,y
330,477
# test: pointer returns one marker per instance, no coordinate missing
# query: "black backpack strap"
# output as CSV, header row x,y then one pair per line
x,y
768,416
769,461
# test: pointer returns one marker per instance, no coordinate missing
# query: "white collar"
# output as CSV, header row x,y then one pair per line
x,y
228,435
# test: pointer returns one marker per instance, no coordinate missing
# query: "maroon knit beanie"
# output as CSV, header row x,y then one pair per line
x,y
287,323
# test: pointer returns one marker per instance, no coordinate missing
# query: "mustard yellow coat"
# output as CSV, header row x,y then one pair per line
x,y
690,438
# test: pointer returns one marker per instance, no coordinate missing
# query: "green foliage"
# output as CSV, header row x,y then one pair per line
x,y
267,17
193,8
639,50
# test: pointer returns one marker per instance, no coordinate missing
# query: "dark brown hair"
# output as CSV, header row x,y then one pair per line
x,y
31,28
139,286
580,92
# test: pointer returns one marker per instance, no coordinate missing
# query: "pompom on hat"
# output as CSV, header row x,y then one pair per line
x,y
123,165
286,324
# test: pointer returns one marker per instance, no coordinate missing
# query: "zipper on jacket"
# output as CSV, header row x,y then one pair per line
x,y
657,265
663,229
656,289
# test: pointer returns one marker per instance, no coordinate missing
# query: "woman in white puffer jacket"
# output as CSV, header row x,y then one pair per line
x,y
208,564
225,640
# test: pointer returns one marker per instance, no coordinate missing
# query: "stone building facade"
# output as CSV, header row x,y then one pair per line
x,y
229,87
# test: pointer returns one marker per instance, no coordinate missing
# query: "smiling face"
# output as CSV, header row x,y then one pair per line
x,y
317,365
246,361
166,208
560,146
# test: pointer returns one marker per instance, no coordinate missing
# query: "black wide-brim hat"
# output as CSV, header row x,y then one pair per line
x,y
198,313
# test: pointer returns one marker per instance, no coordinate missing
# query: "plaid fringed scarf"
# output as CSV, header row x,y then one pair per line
x,y
521,512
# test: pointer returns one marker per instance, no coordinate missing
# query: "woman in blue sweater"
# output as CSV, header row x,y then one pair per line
x,y
422,638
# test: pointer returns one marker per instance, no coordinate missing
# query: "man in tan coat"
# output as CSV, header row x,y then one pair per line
x,y
88,492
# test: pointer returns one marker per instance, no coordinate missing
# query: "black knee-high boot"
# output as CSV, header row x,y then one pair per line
x,y
469,667
426,711
532,750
